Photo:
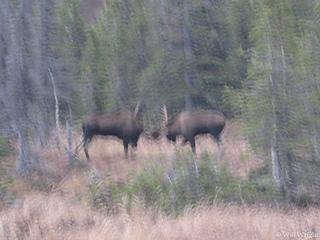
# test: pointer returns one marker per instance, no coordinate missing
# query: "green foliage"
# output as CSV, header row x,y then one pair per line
x,y
138,50
279,103
231,101
6,180
5,147
186,184
103,196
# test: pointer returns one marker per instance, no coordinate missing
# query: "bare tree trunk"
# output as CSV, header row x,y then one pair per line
x,y
57,117
57,112
276,166
69,137
69,141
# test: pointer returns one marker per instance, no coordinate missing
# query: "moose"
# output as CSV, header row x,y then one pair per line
x,y
189,124
123,124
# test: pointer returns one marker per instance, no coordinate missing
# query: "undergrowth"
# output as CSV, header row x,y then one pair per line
x,y
6,179
188,182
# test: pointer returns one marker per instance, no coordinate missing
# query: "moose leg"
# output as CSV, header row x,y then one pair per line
x,y
125,146
133,150
185,141
134,146
217,138
193,144
85,147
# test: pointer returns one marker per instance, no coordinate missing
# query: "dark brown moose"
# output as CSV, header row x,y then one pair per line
x,y
189,124
123,125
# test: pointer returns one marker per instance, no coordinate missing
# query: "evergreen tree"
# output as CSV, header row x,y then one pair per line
x,y
277,105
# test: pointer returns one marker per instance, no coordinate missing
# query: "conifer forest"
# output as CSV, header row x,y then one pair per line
x,y
140,85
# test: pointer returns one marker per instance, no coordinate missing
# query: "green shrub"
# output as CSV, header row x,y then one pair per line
x,y
6,179
5,148
187,183
103,194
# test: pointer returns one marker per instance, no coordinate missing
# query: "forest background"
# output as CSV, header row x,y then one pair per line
x,y
256,61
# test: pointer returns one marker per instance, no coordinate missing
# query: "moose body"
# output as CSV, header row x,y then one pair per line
x,y
123,125
190,124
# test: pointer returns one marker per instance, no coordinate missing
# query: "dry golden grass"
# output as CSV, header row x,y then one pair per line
x,y
53,217
107,154
107,159
62,213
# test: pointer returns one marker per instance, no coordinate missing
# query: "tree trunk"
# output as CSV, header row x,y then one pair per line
x,y
69,141
57,111
277,170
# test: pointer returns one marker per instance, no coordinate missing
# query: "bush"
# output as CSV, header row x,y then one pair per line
x,y
5,148
6,179
103,194
187,183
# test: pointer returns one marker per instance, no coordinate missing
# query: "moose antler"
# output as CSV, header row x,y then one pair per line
x,y
136,110
165,115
